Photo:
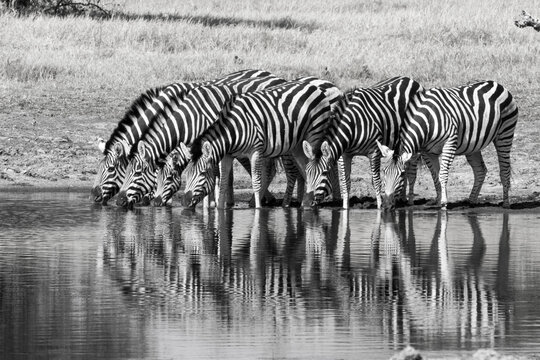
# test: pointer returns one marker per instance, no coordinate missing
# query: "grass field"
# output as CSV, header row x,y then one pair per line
x,y
64,82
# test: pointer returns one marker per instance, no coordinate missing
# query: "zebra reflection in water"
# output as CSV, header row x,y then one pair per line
x,y
426,302
302,269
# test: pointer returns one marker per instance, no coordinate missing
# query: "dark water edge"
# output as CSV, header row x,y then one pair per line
x,y
242,196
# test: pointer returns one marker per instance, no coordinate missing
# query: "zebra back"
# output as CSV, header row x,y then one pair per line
x,y
277,119
480,113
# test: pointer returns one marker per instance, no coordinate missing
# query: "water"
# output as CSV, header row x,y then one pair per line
x,y
81,281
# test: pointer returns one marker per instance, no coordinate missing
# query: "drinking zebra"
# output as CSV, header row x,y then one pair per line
x,y
363,117
134,124
443,123
182,124
111,169
168,178
259,125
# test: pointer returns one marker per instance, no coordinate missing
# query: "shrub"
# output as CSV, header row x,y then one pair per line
x,y
56,7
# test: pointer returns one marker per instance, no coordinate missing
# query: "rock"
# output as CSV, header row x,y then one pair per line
x,y
409,353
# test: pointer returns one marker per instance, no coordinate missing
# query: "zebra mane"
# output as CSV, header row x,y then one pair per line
x,y
338,108
131,113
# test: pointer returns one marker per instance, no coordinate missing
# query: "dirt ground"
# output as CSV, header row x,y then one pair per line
x,y
48,140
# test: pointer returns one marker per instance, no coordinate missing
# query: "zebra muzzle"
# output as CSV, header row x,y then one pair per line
x,y
122,200
158,201
97,194
388,202
189,201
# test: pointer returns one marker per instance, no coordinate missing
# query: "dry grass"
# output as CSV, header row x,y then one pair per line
x,y
77,75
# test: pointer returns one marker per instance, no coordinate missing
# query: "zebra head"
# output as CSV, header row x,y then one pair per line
x,y
111,172
168,179
320,163
200,175
140,177
393,175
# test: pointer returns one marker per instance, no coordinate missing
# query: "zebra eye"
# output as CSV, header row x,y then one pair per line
x,y
111,168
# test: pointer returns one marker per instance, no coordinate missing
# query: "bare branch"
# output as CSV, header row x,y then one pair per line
x,y
527,20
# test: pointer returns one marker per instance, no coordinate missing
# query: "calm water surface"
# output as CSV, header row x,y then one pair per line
x,y
79,280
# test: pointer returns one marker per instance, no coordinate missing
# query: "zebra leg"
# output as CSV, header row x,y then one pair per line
x,y
479,170
333,177
375,164
256,176
447,157
225,167
432,162
301,161
268,196
411,169
300,187
230,190
291,172
503,153
344,172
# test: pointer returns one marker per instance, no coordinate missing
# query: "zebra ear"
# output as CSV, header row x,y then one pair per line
x,y
184,149
143,150
118,149
206,149
325,149
386,152
101,145
406,157
308,150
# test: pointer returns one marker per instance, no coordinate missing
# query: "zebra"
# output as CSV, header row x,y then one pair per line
x,y
111,169
441,123
258,125
136,121
182,124
168,181
363,117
